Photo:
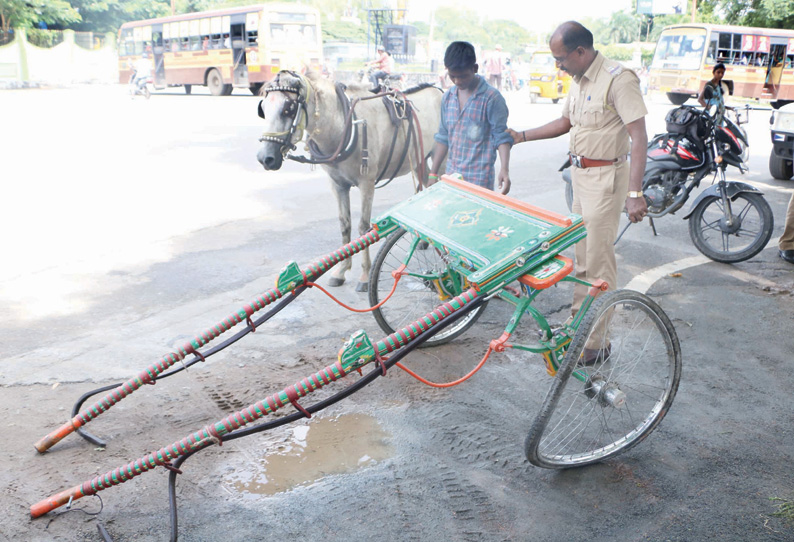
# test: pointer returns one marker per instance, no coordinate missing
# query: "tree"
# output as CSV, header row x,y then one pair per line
x,y
452,24
26,13
623,27
108,15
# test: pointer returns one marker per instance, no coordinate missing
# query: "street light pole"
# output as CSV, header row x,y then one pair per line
x,y
694,9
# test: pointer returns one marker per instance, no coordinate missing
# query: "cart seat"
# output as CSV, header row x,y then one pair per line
x,y
548,273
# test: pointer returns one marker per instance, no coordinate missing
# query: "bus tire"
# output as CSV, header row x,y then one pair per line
x,y
188,89
227,90
677,98
215,82
255,88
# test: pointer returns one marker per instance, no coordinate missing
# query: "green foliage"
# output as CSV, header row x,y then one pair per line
x,y
108,15
616,52
453,24
344,31
509,34
27,13
44,38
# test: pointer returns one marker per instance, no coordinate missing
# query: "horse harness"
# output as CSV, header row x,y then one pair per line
x,y
397,105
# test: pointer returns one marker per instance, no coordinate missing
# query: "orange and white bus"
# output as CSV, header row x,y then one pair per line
x,y
240,47
759,61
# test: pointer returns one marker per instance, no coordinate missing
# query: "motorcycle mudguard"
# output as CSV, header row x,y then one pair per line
x,y
732,188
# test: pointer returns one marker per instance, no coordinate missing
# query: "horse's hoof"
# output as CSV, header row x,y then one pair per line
x,y
335,282
362,287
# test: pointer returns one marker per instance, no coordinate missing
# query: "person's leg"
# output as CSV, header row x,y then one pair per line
x,y
786,244
599,196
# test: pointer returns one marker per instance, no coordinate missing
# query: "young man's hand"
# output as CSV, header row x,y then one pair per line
x,y
504,182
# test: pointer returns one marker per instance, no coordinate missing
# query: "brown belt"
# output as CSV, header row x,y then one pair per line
x,y
582,162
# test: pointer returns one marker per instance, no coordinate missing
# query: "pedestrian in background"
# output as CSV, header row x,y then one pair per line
x,y
473,127
786,243
494,66
605,115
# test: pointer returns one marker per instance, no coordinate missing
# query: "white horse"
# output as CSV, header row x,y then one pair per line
x,y
357,147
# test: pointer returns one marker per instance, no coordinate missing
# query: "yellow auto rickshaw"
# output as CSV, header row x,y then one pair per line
x,y
545,79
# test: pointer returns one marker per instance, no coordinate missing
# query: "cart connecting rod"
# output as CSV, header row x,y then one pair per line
x,y
357,352
290,278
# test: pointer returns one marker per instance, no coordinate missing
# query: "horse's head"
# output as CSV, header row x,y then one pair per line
x,y
284,111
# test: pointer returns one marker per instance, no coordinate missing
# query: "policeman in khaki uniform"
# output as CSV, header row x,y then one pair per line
x,y
605,115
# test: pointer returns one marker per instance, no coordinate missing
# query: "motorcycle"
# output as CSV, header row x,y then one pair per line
x,y
730,221
394,80
140,87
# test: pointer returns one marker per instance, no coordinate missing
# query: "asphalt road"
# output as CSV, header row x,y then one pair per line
x,y
133,225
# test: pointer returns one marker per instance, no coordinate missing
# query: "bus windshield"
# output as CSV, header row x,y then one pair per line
x,y
682,51
543,59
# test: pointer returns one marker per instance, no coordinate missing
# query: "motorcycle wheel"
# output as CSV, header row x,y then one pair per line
x,y
146,92
736,243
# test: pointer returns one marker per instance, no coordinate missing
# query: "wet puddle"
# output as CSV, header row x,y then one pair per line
x,y
322,447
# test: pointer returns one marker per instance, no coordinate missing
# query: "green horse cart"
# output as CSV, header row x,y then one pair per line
x,y
446,252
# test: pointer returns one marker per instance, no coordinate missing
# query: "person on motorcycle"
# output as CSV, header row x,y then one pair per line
x,y
605,115
718,92
383,67
142,71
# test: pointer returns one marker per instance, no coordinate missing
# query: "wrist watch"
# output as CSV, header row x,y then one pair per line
x,y
635,194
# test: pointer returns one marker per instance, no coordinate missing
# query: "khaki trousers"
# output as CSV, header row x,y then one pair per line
x,y
599,195
787,239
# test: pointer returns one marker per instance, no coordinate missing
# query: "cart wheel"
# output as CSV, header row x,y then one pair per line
x,y
595,411
414,296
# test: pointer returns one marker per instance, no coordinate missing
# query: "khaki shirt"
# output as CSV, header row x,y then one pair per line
x,y
598,122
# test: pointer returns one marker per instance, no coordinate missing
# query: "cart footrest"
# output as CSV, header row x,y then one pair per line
x,y
548,273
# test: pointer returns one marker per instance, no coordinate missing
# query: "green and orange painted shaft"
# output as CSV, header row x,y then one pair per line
x,y
284,286
213,434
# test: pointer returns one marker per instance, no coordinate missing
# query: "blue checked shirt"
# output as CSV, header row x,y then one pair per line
x,y
473,135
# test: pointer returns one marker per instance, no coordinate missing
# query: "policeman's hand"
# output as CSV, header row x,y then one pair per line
x,y
636,209
504,182
517,136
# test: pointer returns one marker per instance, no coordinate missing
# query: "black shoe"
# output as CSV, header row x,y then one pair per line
x,y
787,255
593,356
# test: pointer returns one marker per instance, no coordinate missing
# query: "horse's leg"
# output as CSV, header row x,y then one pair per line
x,y
342,193
367,189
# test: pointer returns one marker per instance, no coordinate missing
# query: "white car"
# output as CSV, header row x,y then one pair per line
x,y
781,158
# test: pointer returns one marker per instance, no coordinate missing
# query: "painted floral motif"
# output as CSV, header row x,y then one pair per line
x,y
502,232
465,218
548,271
433,204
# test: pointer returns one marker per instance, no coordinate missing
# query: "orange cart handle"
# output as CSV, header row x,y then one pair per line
x,y
59,499
53,438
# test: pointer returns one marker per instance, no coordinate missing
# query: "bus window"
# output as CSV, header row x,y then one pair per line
x,y
126,43
681,51
252,37
711,54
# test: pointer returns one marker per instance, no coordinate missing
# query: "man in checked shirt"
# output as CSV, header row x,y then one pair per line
x,y
473,124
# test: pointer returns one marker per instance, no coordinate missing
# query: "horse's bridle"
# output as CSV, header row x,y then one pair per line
x,y
292,108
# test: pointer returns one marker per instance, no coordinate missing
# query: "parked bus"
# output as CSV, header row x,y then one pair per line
x,y
240,47
758,61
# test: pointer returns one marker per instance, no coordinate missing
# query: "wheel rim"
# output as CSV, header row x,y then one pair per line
x,y
415,296
610,406
744,231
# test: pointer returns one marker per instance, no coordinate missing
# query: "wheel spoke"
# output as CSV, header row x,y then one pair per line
x,y
611,405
